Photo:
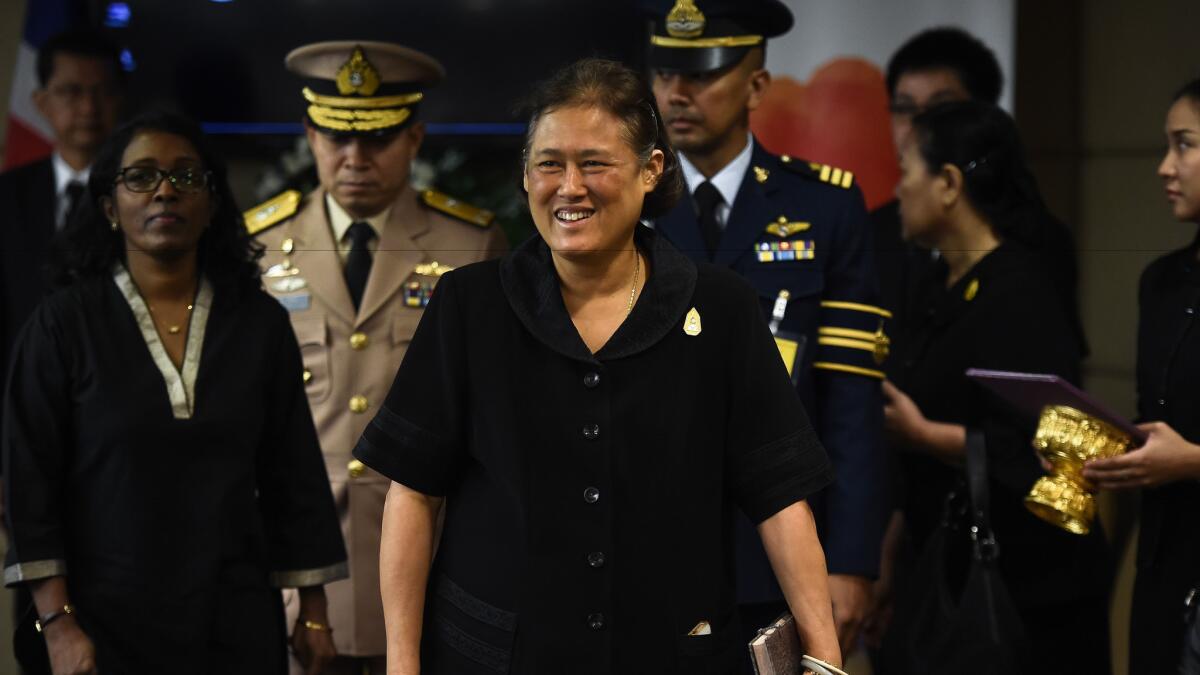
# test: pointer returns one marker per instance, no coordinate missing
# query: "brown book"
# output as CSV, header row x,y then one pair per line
x,y
776,650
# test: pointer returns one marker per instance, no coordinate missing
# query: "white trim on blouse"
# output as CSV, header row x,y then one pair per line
x,y
181,383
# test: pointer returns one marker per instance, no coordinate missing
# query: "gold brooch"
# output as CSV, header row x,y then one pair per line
x,y
972,290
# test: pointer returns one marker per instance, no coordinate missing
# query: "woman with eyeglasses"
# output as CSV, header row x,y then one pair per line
x,y
162,472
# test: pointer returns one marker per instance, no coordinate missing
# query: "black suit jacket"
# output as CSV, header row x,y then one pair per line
x,y
26,228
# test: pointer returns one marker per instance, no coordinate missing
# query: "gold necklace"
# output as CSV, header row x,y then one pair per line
x,y
173,329
637,267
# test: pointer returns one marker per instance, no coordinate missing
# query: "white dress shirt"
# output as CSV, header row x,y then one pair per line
x,y
341,221
727,180
63,176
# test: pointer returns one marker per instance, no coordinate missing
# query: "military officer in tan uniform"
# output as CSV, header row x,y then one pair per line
x,y
355,263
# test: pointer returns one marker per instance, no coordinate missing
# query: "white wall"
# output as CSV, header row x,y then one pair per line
x,y
874,29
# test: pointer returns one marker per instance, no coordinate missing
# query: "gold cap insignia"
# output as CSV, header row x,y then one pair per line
x,y
691,325
357,76
685,20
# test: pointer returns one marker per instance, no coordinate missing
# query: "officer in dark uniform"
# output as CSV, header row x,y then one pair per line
x,y
798,232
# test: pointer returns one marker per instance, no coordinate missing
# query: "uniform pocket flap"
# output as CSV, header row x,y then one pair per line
x,y
310,331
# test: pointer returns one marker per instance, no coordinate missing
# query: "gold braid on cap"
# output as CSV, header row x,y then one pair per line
x,y
723,41
349,103
357,120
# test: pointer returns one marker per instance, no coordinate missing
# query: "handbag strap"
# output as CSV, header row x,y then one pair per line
x,y
977,485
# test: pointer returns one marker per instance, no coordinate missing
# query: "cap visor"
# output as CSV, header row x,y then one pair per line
x,y
695,59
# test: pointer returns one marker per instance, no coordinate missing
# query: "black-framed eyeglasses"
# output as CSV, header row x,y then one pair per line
x,y
148,178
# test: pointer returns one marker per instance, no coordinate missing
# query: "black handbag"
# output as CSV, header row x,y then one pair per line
x,y
954,614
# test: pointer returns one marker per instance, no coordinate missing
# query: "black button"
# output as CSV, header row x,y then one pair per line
x,y
1190,310
591,431
596,560
591,495
1162,401
591,380
596,621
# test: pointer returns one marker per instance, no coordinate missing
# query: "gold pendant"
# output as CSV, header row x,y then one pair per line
x,y
691,325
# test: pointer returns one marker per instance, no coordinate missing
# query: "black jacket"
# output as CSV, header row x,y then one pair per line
x,y
590,498
1168,373
1002,315
26,227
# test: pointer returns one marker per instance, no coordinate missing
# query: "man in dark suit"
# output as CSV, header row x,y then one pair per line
x,y
80,83
80,79
798,232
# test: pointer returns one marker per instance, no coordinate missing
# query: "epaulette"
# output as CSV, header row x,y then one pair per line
x,y
271,212
459,209
821,172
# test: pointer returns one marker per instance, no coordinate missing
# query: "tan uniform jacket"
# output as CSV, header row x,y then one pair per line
x,y
350,360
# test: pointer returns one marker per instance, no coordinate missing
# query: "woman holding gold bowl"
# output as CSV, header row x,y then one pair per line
x,y
591,409
966,191
1167,466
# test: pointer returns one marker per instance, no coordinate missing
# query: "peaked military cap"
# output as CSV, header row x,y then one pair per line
x,y
696,36
363,88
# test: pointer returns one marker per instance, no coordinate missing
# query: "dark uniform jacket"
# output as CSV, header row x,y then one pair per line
x,y
590,497
1002,315
803,228
1168,381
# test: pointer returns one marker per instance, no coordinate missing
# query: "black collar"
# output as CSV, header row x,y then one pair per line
x,y
531,285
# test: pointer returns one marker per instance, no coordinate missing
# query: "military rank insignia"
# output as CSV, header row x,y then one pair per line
x,y
792,249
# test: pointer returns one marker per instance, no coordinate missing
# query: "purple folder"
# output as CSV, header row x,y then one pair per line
x,y
1030,392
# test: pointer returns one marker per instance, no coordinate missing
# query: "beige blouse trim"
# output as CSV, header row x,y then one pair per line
x,y
181,383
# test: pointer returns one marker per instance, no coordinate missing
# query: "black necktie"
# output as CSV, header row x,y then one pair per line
x,y
74,195
708,198
358,263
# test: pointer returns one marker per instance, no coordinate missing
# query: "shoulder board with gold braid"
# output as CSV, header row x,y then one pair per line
x,y
271,212
457,208
819,172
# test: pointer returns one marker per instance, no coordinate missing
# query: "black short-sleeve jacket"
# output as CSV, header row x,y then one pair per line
x,y
590,497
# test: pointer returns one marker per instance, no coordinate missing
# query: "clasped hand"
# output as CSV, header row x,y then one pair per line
x,y
1164,457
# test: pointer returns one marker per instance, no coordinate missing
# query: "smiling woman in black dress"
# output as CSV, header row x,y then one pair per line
x,y
989,303
592,408
162,470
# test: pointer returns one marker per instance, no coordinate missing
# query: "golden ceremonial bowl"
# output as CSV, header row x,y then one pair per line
x,y
1067,438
